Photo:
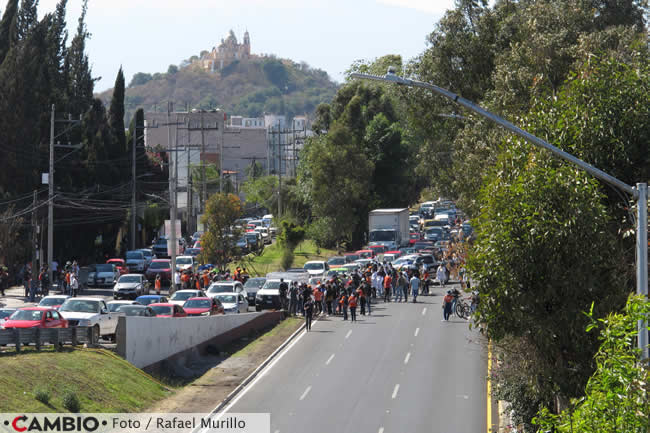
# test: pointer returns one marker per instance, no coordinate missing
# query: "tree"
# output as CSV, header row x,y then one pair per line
x,y
77,70
219,241
8,28
254,171
172,70
116,115
289,238
140,78
27,17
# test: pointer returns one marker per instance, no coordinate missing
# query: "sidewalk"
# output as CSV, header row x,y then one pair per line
x,y
14,298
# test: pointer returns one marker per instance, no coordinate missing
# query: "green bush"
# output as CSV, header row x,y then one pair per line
x,y
71,401
42,395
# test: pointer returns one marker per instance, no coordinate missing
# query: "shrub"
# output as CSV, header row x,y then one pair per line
x,y
71,401
42,395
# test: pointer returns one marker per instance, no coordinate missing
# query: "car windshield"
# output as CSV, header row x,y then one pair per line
x,y
159,265
133,310
183,260
314,266
27,315
147,301
146,253
255,282
227,299
6,313
81,306
104,268
352,256
129,279
114,307
336,261
161,242
116,262
182,296
48,302
273,285
198,303
251,237
215,288
162,310
382,236
434,230
134,255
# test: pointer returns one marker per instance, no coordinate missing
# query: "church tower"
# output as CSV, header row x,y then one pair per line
x,y
247,44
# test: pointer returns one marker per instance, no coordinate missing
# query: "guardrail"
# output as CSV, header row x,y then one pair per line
x,y
40,336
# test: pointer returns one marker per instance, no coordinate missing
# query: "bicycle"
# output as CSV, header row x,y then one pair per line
x,y
463,308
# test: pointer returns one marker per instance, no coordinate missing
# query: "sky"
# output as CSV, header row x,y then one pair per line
x,y
149,35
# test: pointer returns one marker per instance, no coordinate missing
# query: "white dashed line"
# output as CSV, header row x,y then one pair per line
x,y
424,311
329,359
417,331
381,430
277,431
408,356
395,391
304,394
348,334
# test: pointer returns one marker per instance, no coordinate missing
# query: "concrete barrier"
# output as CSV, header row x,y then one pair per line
x,y
144,341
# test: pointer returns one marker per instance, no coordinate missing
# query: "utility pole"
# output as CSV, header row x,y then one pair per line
x,y
221,155
34,239
50,201
203,185
279,172
133,189
174,216
188,195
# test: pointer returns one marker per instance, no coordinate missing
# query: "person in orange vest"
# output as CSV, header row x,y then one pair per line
x,y
206,279
158,284
185,280
318,300
352,301
343,305
388,282
67,282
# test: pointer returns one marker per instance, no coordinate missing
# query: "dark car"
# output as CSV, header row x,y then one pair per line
x,y
252,286
137,310
192,252
160,247
162,267
151,299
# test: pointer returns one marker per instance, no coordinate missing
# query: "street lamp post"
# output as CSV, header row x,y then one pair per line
x,y
638,192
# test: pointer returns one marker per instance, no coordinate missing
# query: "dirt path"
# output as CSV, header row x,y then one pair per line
x,y
206,392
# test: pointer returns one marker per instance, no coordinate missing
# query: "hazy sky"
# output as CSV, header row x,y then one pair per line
x,y
149,35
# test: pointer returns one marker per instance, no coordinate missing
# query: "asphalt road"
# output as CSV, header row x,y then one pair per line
x,y
399,370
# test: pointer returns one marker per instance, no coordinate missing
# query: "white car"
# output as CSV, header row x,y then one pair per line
x,y
226,287
186,262
114,306
316,268
136,261
232,302
103,275
92,312
180,296
53,301
264,232
148,255
131,285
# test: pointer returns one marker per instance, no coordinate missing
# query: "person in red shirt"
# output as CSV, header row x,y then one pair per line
x,y
388,281
446,306
343,303
352,302
318,300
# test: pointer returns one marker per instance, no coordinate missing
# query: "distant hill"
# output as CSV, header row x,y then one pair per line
x,y
246,87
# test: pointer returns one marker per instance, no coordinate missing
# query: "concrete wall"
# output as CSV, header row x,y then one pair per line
x,y
144,341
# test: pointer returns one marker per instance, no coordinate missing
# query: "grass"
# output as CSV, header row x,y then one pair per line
x,y
269,260
101,381
290,323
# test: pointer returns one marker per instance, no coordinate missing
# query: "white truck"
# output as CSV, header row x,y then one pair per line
x,y
388,227
92,312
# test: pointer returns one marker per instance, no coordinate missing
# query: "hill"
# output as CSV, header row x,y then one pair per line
x,y
246,87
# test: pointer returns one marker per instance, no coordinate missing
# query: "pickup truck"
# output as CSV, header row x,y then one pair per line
x,y
93,312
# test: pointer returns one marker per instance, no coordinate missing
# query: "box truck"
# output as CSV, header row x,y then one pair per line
x,y
388,227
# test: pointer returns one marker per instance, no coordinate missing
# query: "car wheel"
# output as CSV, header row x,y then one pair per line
x,y
257,308
95,335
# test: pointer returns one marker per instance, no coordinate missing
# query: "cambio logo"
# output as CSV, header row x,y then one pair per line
x,y
55,424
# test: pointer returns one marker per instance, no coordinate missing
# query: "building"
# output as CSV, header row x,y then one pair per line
x,y
227,52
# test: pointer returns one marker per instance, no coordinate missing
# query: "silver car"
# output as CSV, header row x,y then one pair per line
x,y
131,286
232,302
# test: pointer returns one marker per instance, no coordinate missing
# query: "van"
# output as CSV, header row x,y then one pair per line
x,y
267,220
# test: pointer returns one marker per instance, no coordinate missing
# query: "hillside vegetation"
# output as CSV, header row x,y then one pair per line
x,y
247,87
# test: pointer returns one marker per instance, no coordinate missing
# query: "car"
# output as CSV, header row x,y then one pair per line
x,y
251,287
137,310
196,236
114,306
180,296
226,287
53,301
414,237
268,297
254,241
92,312
5,313
197,244
103,275
148,255
192,252
120,264
267,220
136,261
421,245
350,267
168,310
363,263
131,286
160,247
256,223
162,267
264,232
242,244
232,302
407,250
366,254
151,299
378,249
316,268
203,306
336,261
35,317
434,233
350,257
184,263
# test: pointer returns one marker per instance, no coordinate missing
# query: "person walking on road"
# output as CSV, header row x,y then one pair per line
x,y
352,302
293,299
309,312
446,306
158,284
388,281
440,275
399,289
343,304
74,285
415,286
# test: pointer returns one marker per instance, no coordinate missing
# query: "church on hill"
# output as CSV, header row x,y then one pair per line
x,y
227,52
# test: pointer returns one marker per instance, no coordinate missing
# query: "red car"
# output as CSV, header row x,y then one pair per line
x,y
366,254
378,249
35,317
395,253
203,306
168,310
159,266
120,264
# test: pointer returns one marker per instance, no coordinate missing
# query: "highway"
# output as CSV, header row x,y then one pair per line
x,y
399,370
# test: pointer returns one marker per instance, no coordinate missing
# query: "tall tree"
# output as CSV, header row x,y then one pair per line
x,y
8,28
27,17
116,114
80,83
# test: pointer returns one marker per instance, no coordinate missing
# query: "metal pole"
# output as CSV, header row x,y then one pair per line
x,y
174,216
34,239
203,186
188,195
642,260
50,199
221,156
133,189
279,172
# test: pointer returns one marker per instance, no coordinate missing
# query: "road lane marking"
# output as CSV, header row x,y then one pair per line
x,y
277,431
417,331
381,430
408,356
348,334
304,394
424,311
395,391
329,359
